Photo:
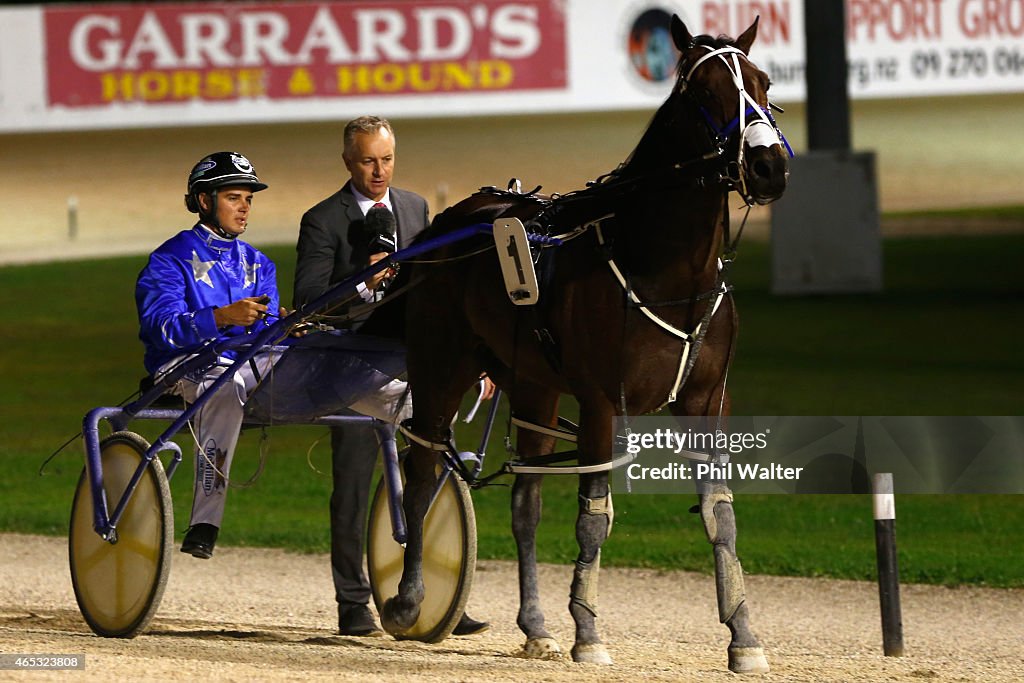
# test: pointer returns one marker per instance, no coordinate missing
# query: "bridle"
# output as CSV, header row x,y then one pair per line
x,y
756,125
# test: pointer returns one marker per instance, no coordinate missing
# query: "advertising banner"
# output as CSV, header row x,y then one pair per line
x,y
103,55
900,48
100,65
895,48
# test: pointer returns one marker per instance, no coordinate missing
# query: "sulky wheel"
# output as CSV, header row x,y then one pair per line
x,y
119,585
449,558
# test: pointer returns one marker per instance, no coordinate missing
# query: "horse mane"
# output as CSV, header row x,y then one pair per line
x,y
681,66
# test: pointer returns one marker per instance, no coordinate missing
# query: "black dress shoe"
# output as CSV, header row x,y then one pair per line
x,y
199,541
468,626
356,620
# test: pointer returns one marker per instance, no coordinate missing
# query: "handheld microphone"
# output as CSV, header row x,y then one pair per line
x,y
380,226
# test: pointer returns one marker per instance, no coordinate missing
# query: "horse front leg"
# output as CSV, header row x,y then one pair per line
x,y
593,525
707,396
745,652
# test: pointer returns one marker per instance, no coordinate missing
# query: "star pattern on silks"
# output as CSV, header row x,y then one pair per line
x,y
201,269
250,272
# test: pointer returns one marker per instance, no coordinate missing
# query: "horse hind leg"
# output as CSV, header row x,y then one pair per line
x,y
745,652
434,405
526,514
526,511
400,612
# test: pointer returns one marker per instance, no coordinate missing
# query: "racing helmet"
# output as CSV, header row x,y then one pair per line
x,y
217,170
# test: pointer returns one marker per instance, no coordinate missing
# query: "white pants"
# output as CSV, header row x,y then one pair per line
x,y
219,422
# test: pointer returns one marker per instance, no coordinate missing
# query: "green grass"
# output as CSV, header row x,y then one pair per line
x,y
941,340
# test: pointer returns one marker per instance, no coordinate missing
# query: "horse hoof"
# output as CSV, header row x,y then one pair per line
x,y
397,618
542,648
747,660
591,653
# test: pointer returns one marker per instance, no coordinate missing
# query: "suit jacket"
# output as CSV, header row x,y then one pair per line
x,y
331,246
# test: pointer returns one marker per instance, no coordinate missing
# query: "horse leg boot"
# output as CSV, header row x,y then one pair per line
x,y
593,525
745,652
526,511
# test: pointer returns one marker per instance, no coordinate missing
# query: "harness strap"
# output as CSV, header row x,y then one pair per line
x,y
564,435
558,433
412,436
685,360
516,468
674,331
713,52
574,233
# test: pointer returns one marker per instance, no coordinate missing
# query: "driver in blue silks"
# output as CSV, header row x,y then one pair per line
x,y
205,284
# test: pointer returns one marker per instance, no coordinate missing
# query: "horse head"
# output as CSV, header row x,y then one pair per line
x,y
718,84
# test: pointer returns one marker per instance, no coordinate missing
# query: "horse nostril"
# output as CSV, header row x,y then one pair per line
x,y
762,169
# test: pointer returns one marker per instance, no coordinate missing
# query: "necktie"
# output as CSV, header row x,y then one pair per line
x,y
379,292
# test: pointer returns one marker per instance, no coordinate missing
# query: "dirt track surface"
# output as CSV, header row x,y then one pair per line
x,y
251,614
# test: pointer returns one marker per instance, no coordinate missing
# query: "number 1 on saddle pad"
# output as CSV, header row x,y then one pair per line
x,y
513,249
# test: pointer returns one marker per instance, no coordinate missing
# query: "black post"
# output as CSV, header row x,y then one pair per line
x,y
826,229
888,567
828,105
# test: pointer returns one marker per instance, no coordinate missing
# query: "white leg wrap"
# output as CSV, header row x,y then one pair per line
x,y
728,571
600,506
728,582
584,578
707,510
584,584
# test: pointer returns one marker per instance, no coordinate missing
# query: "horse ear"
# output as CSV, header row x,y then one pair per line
x,y
746,39
680,34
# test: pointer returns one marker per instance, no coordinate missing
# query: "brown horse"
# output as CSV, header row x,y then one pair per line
x,y
651,231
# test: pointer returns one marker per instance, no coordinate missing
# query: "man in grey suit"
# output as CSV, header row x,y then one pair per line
x,y
333,244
